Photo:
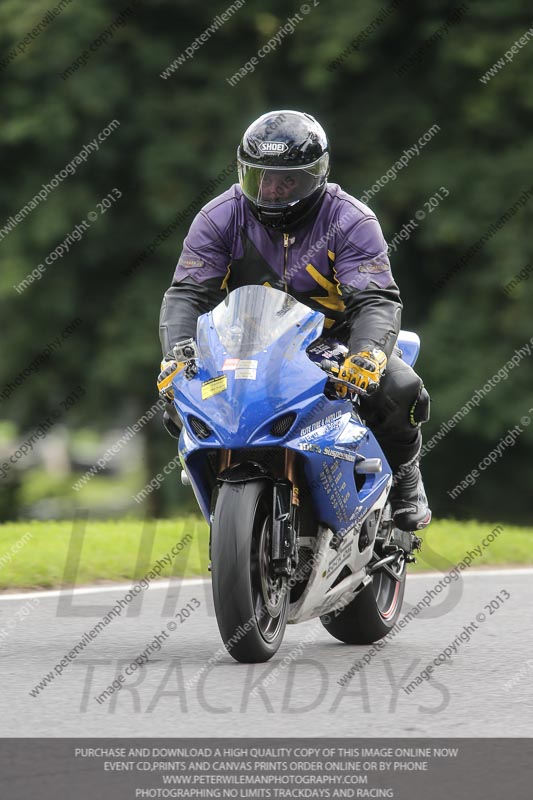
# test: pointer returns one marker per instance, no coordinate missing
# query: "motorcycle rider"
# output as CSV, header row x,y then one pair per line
x,y
284,225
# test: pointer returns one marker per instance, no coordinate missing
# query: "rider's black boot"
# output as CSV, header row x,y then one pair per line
x,y
408,499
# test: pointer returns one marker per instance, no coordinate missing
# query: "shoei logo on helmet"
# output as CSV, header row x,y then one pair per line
x,y
273,147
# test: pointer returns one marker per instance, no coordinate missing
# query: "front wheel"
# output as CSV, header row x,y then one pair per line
x,y
251,603
373,613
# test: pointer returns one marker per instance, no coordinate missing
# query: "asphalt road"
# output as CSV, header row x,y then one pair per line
x,y
483,689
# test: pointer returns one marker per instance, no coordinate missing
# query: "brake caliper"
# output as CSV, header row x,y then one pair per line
x,y
283,530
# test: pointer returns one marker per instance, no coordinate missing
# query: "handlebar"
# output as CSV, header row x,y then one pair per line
x,y
350,386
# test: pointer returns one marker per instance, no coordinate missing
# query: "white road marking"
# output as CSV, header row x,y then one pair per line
x,y
476,573
115,588
166,584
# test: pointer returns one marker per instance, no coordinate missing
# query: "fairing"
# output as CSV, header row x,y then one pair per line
x,y
253,368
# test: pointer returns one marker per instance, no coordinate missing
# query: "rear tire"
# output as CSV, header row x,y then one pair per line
x,y
251,605
373,613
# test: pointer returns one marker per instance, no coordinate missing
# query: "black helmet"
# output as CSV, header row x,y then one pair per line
x,y
283,163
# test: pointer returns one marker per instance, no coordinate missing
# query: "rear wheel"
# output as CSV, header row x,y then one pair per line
x,y
373,613
251,603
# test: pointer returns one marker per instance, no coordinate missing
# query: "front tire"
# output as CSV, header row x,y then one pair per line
x,y
373,613
251,604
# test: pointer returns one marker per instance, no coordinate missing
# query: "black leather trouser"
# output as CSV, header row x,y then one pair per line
x,y
396,410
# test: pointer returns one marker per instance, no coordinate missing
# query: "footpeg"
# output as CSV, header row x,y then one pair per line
x,y
387,561
408,542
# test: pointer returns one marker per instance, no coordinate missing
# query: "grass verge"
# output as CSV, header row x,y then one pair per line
x,y
47,554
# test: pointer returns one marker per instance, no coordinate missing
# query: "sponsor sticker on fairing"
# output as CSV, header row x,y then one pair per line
x,y
329,451
247,370
230,363
343,555
322,425
214,386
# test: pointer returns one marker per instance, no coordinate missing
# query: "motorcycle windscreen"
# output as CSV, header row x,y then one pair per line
x,y
257,337
253,317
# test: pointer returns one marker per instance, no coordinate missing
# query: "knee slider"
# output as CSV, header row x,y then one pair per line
x,y
419,411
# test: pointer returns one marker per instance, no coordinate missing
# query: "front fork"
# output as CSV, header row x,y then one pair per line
x,y
285,502
285,520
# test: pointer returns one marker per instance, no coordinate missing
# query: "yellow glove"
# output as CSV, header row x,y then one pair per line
x,y
364,370
169,370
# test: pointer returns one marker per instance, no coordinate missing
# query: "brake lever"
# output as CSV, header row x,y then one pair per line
x,y
350,386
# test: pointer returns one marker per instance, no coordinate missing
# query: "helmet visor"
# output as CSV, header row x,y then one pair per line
x,y
279,187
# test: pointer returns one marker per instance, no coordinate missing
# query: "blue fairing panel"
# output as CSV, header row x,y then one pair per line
x,y
409,344
255,388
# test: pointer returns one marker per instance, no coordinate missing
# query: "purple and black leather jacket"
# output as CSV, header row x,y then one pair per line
x,y
335,262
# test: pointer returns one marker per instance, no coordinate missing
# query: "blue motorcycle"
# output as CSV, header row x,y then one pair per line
x,y
292,482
